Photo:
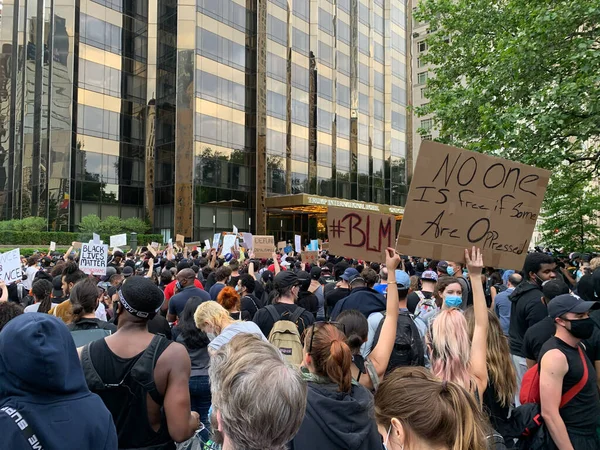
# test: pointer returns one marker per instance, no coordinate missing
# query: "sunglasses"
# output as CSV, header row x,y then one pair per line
x,y
340,326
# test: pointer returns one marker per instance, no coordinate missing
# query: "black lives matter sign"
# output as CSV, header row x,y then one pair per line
x,y
459,199
93,258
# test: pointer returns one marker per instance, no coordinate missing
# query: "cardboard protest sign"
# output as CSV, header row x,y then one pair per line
x,y
310,257
180,239
118,240
298,243
325,246
76,244
459,199
360,234
93,258
281,245
216,241
152,250
10,266
247,240
263,246
228,242
52,246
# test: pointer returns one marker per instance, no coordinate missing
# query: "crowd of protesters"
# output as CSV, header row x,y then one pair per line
x,y
217,349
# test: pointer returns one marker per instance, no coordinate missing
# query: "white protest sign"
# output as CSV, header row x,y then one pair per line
x,y
228,242
216,240
118,240
10,266
93,258
96,238
298,243
247,240
52,246
206,244
235,230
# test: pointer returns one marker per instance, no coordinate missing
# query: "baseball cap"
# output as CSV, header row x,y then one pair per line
x,y
127,271
442,266
350,274
57,290
565,303
402,279
285,279
315,273
429,275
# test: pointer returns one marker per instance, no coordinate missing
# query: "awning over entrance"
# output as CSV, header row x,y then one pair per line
x,y
313,204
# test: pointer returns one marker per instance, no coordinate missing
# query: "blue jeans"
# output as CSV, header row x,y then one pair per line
x,y
200,397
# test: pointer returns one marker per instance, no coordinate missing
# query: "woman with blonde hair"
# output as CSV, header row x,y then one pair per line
x,y
502,378
414,410
219,326
455,357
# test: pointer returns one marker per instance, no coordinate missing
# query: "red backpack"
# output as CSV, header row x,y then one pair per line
x,y
530,386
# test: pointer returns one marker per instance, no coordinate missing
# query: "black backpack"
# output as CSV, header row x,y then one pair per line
x,y
408,347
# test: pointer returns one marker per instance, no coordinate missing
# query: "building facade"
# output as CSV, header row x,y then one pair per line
x,y
202,114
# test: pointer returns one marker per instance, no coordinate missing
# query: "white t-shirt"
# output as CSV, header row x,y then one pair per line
x,y
233,329
36,306
30,272
101,312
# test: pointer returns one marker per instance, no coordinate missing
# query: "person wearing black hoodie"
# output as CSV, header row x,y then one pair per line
x,y
339,412
361,297
42,386
527,308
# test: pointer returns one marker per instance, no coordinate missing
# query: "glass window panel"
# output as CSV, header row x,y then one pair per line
x,y
363,44
343,95
398,121
325,21
299,40
363,103
363,13
209,43
378,81
363,73
378,52
343,62
343,31
300,8
325,54
343,126
277,30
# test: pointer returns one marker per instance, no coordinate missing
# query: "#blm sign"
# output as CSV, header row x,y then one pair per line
x,y
360,234
459,199
310,257
10,266
93,258
263,246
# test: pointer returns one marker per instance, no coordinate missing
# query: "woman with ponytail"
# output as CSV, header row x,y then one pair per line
x,y
415,411
339,412
41,290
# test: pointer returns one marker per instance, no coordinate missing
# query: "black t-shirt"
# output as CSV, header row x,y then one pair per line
x,y
581,413
413,300
234,281
536,336
265,322
309,301
334,296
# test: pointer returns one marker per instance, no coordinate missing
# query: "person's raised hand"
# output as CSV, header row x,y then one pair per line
x,y
392,259
474,261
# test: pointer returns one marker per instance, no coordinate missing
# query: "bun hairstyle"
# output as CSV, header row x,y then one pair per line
x,y
229,299
84,298
330,354
437,413
356,327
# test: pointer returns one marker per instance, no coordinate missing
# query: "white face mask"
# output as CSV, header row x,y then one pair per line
x,y
211,336
387,438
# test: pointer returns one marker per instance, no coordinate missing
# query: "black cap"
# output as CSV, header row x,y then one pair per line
x,y
285,279
127,271
57,291
569,303
315,273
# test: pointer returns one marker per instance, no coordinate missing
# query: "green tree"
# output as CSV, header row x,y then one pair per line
x,y
519,79
112,225
571,221
135,225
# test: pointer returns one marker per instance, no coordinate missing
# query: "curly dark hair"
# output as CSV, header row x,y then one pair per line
x,y
8,311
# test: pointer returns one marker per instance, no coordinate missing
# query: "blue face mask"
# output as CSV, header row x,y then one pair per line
x,y
465,273
450,270
178,286
453,301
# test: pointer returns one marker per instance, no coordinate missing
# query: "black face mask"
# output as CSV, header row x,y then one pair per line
x,y
581,328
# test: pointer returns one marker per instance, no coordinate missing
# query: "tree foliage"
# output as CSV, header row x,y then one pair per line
x,y
520,79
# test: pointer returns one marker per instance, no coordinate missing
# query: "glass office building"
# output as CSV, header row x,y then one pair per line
x,y
202,114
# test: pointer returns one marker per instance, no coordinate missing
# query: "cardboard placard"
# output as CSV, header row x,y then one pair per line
x,y
52,246
216,241
76,244
228,242
459,199
118,240
180,240
325,246
93,258
310,257
298,243
155,245
152,250
263,246
360,234
10,266
247,240
281,245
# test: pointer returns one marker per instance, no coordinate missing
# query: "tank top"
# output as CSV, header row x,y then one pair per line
x,y
123,384
582,412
